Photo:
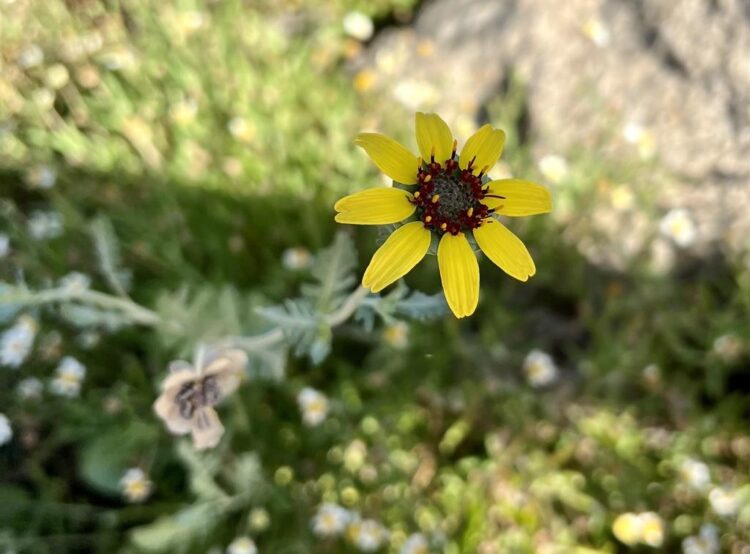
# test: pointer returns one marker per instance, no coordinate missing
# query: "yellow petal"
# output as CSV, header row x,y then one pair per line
x,y
406,246
521,198
459,272
390,156
433,132
380,206
484,147
505,249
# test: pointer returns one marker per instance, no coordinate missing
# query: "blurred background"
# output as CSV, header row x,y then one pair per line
x,y
182,159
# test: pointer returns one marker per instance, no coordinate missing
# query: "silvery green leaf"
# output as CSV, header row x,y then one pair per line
x,y
422,307
333,271
87,316
8,307
267,364
304,328
108,255
245,475
179,531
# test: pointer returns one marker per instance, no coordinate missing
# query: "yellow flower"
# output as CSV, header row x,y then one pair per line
x,y
452,199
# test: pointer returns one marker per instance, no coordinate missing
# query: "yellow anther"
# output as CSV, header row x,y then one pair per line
x,y
470,212
455,144
444,226
416,194
428,179
435,198
428,219
485,169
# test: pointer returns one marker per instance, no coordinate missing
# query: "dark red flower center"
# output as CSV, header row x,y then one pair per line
x,y
449,198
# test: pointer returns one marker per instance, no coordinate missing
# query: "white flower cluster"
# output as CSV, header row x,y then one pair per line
x,y
314,406
540,369
16,342
332,520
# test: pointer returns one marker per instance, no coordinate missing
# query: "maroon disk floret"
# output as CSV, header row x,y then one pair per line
x,y
449,198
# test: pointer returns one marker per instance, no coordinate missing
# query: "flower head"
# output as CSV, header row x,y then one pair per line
x,y
367,534
297,258
45,225
135,485
358,25
450,199
695,473
706,542
16,342
242,545
75,282
68,378
540,369
330,520
397,335
644,528
6,432
30,388
678,226
724,501
415,544
190,392
314,406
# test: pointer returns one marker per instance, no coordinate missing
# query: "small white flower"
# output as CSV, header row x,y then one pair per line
x,y
297,258
633,132
728,347
678,226
358,25
241,129
6,432
4,245
554,168
331,520
646,528
724,501
42,177
397,335
597,32
695,473
31,56
69,376
16,342
135,485
75,282
314,406
707,542
242,545
415,544
45,225
368,535
30,388
190,392
540,368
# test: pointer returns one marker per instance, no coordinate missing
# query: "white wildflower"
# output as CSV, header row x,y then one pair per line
x,y
41,177
75,283
729,347
368,535
706,542
644,528
695,473
397,335
358,25
69,376
16,342
678,226
45,225
597,32
415,544
242,545
135,485
190,392
554,168
540,368
724,501
297,258
31,56
6,431
314,406
30,388
331,520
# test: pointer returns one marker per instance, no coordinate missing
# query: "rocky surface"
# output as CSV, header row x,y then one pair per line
x,y
663,78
